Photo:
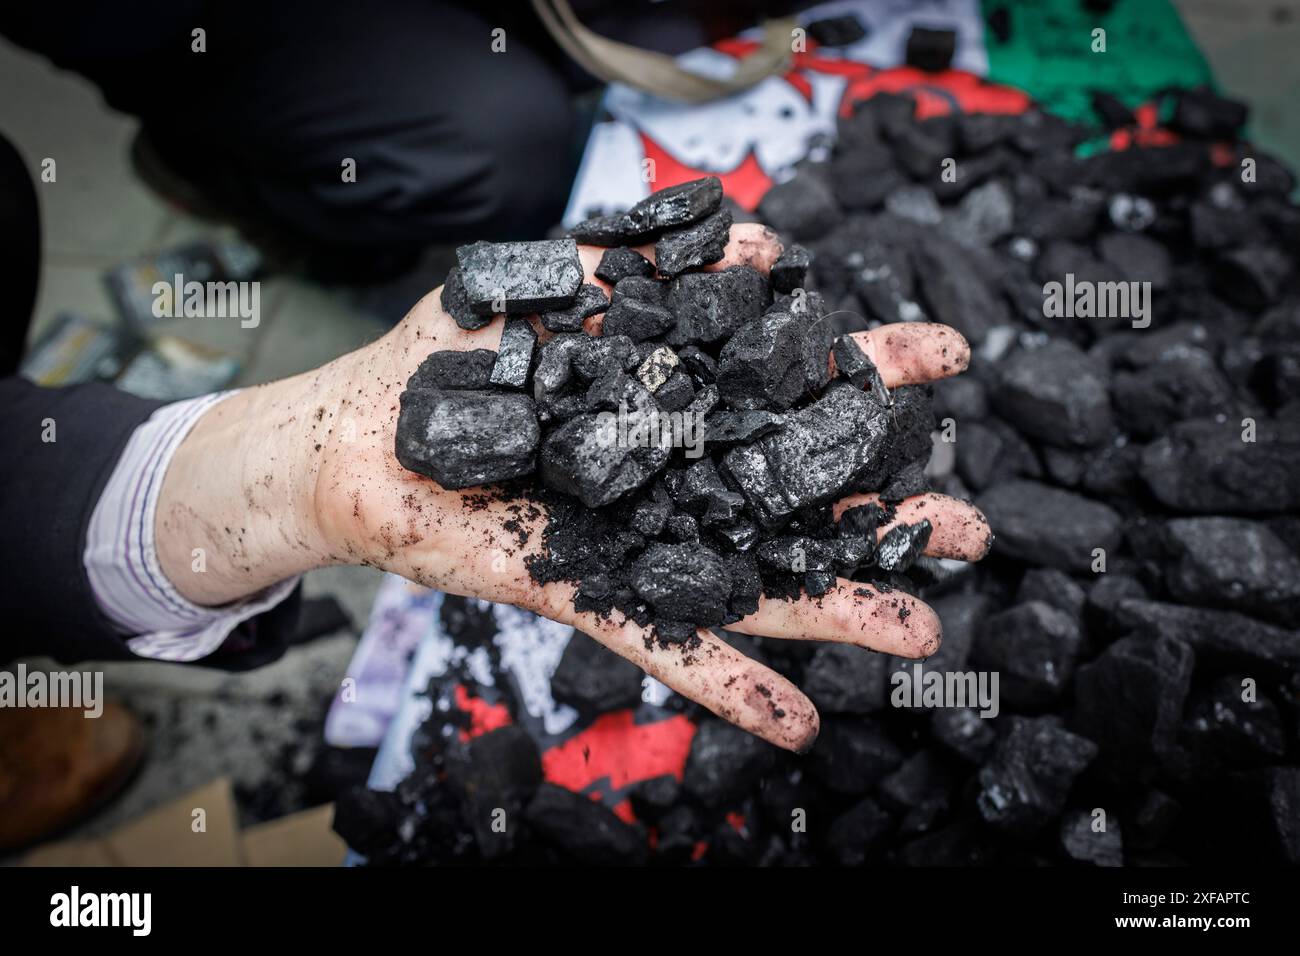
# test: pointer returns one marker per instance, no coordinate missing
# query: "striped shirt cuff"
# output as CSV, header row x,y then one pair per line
x,y
122,561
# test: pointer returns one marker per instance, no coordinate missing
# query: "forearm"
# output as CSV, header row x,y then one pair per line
x,y
237,509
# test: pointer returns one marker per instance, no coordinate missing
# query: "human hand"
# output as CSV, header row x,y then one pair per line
x,y
312,480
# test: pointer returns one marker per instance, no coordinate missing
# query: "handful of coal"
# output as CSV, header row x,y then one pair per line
x,y
689,456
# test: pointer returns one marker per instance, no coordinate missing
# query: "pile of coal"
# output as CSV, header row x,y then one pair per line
x,y
1136,457
690,454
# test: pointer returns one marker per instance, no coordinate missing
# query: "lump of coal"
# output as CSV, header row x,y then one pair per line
x,y
514,355
852,755
844,679
1055,394
789,270
1233,563
461,439
454,370
712,306
761,366
843,30
636,317
621,262
594,679
902,545
724,762
683,582
455,302
521,276
803,207
590,301
695,245
931,50
1130,701
1026,783
852,362
1044,525
584,828
1081,843
1034,647
585,457
1206,466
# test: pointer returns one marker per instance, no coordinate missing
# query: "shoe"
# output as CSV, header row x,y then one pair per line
x,y
58,766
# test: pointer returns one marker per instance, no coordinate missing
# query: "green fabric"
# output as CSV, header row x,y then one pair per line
x,y
1049,53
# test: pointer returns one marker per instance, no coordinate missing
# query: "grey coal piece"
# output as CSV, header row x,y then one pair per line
x,y
523,276
670,208
514,355
683,582
690,247
590,301
455,302
621,262
461,439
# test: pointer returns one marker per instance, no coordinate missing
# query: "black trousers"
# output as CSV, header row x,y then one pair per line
x,y
451,140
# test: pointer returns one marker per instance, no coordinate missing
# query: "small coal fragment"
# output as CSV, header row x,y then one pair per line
x,y
789,270
921,790
1205,467
761,366
1130,701
461,439
1233,563
657,368
514,355
843,679
594,679
683,582
521,276
711,306
1026,783
852,361
726,429
498,772
1228,727
1043,525
584,828
677,206
653,799
591,301
902,545
843,30
621,262
635,318
1083,842
695,245
1225,636
454,370
455,302
1054,588
931,50
852,755
1033,647
803,207
585,458
724,762
1055,394
858,835
964,733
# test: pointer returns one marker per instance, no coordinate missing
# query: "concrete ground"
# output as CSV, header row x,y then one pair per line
x,y
263,728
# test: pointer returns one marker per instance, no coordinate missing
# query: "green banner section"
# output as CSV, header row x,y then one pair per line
x,y
1049,52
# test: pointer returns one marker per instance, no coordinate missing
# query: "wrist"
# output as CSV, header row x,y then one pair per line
x,y
237,509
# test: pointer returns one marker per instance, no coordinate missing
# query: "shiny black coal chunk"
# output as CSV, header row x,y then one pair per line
x,y
455,302
802,208
1027,781
683,582
522,276
621,262
454,370
1034,648
690,247
461,439
762,365
514,355
593,679
711,306
789,271
1055,394
584,829
590,301
1049,526
902,545
637,318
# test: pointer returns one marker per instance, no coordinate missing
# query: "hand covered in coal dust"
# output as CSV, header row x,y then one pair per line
x,y
363,507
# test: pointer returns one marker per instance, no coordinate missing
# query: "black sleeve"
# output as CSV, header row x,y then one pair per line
x,y
48,491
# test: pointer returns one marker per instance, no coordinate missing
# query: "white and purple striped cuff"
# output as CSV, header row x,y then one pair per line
x,y
122,561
